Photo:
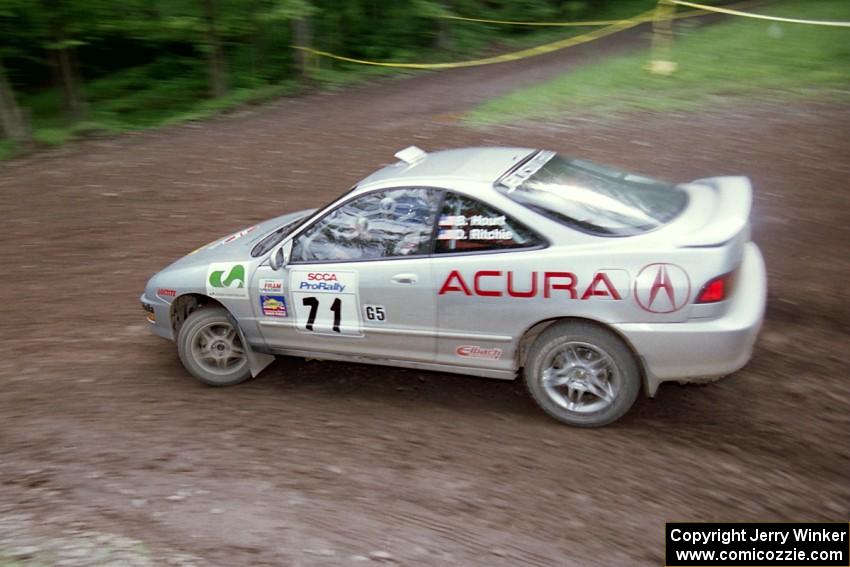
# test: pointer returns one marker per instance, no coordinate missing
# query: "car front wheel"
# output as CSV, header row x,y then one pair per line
x,y
582,374
210,348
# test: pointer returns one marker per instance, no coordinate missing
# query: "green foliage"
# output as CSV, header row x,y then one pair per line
x,y
8,150
145,63
726,60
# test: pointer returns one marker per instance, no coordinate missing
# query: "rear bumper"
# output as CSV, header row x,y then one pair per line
x,y
703,349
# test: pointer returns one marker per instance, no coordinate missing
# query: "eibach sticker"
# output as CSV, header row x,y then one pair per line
x,y
475,351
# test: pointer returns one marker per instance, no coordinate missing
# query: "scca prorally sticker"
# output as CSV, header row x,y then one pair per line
x,y
227,279
475,351
273,305
271,286
376,313
326,302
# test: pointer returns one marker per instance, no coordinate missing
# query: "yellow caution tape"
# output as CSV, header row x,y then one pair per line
x,y
515,23
759,16
575,24
612,26
514,56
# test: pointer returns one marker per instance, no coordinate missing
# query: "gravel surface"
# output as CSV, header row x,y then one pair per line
x,y
110,454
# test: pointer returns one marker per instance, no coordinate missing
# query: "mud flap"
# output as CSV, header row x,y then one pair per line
x,y
257,361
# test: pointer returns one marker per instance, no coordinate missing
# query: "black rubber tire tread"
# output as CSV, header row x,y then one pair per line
x,y
606,340
184,341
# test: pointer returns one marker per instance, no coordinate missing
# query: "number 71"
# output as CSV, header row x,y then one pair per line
x,y
313,304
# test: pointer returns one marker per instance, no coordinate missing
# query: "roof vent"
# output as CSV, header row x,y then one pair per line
x,y
411,155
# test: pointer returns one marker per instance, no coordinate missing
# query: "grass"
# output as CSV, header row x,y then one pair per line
x,y
737,58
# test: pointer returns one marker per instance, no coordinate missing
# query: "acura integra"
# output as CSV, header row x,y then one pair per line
x,y
593,284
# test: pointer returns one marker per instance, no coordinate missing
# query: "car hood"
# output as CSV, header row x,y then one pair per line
x,y
237,246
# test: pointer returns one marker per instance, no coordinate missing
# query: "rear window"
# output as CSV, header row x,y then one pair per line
x,y
592,198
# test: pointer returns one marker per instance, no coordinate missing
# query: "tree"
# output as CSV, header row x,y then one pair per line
x,y
216,62
65,19
299,13
12,122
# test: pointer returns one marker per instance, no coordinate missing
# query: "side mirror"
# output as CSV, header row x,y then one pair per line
x,y
280,256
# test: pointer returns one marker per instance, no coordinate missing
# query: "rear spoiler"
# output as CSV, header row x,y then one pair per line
x,y
731,214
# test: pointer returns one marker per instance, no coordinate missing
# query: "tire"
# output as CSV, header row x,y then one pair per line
x,y
210,349
582,374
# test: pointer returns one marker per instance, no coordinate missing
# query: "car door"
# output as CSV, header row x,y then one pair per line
x,y
358,281
486,266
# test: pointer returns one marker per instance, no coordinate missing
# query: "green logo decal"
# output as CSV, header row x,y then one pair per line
x,y
235,277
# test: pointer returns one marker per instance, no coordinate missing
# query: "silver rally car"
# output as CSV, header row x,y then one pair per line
x,y
593,283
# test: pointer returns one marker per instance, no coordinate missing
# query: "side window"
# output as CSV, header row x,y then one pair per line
x,y
468,225
383,224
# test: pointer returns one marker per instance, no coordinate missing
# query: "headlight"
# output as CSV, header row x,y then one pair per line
x,y
150,314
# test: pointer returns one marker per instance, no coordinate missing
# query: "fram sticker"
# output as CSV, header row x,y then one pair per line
x,y
273,305
475,351
226,279
165,292
271,286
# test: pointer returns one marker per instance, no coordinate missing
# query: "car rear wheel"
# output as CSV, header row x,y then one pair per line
x,y
582,374
210,348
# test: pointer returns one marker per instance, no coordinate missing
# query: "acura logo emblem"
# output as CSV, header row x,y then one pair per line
x,y
662,288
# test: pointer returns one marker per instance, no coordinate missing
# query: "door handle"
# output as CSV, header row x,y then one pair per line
x,y
405,279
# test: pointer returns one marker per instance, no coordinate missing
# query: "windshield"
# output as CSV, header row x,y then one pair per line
x,y
593,198
276,237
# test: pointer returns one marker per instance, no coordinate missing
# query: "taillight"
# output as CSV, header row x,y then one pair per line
x,y
716,289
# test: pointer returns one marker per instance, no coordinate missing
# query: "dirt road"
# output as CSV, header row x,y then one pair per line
x,y
106,442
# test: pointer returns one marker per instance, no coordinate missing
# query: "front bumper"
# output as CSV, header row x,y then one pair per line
x,y
698,349
157,313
